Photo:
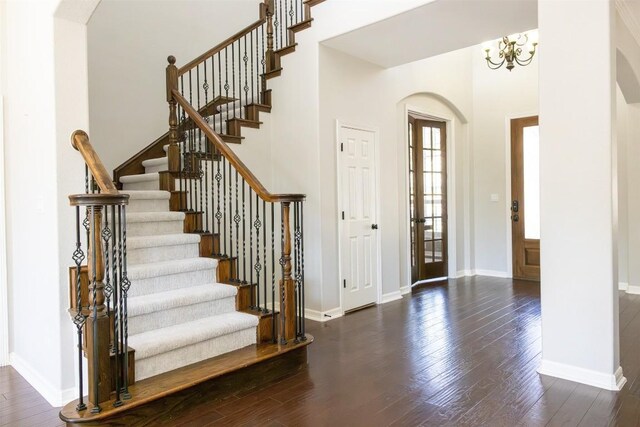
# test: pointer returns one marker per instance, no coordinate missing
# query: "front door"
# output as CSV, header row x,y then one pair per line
x,y
525,198
359,240
428,198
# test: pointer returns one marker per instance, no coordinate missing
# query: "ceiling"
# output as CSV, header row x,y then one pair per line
x,y
435,28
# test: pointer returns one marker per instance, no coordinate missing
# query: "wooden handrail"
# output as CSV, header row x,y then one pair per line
x,y
234,38
224,149
80,141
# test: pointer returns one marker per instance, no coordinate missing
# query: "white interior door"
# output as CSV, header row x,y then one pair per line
x,y
358,240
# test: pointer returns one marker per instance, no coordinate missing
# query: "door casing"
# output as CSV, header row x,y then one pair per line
x,y
339,126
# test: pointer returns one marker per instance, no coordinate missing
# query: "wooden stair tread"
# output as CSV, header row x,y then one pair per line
x,y
286,50
211,107
159,386
258,313
302,25
273,73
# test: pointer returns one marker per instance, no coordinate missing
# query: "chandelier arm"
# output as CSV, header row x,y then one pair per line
x,y
496,65
524,62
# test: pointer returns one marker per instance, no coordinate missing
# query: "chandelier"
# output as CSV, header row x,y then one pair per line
x,y
510,50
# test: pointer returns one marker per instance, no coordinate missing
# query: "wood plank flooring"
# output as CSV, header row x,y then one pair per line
x,y
462,353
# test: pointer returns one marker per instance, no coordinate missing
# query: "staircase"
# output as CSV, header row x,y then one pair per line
x,y
186,268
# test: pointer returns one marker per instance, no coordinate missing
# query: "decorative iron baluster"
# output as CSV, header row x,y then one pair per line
x,y
276,24
273,275
106,237
218,212
79,319
192,194
283,285
264,254
224,206
126,284
226,82
245,58
253,297
220,86
303,337
296,269
236,220
244,235
231,216
233,77
94,308
182,142
197,159
253,96
263,80
116,307
258,267
205,207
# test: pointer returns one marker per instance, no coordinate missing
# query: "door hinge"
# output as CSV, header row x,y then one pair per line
x,y
344,283
342,214
341,146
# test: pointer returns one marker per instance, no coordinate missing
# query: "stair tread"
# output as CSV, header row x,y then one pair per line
x,y
167,300
148,194
155,216
137,242
142,177
155,162
155,269
158,341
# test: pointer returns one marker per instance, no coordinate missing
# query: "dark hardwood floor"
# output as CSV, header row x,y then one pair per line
x,y
462,354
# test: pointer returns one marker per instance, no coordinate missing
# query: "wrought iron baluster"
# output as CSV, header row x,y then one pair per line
x,y
286,33
263,80
233,77
226,82
79,319
219,55
231,216
126,284
273,275
295,271
244,235
218,212
258,267
283,285
94,306
253,95
245,58
224,206
264,254
237,219
182,149
116,307
205,159
253,298
197,159
192,194
303,337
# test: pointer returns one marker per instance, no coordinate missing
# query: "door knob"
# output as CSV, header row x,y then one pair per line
x,y
374,226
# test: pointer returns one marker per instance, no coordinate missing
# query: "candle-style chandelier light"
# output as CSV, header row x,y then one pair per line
x,y
510,50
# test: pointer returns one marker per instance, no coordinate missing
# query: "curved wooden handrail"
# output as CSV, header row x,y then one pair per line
x,y
99,199
224,149
80,141
234,38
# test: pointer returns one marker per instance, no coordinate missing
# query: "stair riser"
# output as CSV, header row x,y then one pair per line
x,y
174,359
171,282
174,316
158,168
148,205
143,185
154,228
163,253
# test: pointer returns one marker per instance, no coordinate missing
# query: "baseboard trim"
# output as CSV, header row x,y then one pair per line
x,y
613,381
489,273
405,290
623,286
322,316
391,296
633,289
56,397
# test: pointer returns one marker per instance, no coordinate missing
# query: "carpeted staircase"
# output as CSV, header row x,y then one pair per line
x,y
178,314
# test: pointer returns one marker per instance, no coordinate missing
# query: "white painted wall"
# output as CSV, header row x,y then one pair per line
x,y
578,195
623,178
4,302
45,88
129,41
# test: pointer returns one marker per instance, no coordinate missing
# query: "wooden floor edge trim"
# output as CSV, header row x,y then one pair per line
x,y
69,414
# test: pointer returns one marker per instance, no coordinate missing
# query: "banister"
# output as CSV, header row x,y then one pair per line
x,y
80,141
190,65
224,149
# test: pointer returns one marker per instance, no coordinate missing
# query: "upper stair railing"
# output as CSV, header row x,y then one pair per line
x,y
98,289
217,93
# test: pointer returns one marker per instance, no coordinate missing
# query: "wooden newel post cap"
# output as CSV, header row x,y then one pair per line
x,y
79,133
171,59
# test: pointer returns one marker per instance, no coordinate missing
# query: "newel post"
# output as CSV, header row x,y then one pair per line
x,y
287,289
98,328
172,84
270,56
